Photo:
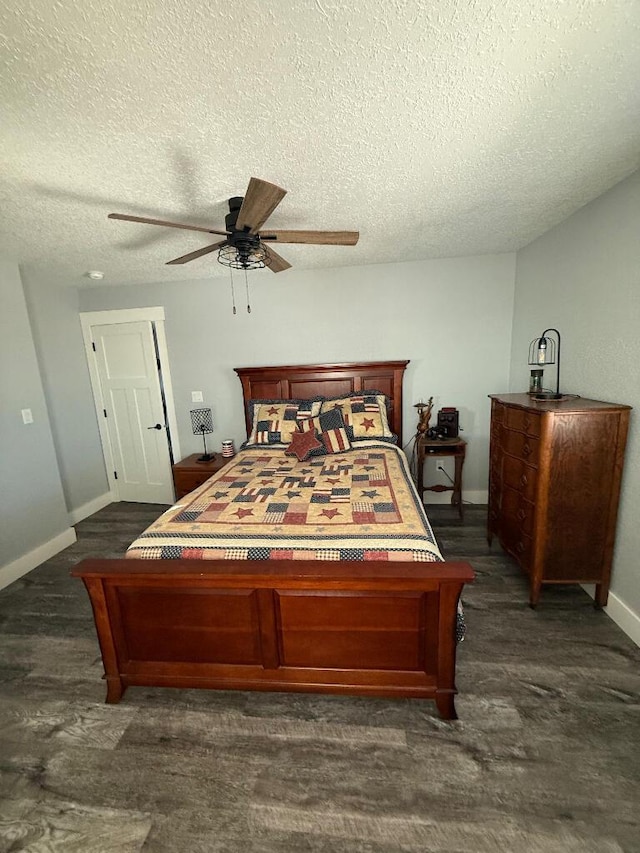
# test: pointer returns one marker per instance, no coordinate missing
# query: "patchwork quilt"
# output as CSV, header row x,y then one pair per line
x,y
356,505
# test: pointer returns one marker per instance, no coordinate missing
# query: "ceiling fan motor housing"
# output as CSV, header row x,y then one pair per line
x,y
231,218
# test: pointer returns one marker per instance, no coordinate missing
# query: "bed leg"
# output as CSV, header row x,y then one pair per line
x,y
534,594
114,690
602,595
446,705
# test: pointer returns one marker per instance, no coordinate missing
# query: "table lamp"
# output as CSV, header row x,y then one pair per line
x,y
542,351
202,424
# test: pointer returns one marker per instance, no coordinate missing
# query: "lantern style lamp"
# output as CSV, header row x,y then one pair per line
x,y
543,350
202,424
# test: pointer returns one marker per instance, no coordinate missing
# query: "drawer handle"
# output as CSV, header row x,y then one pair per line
x,y
526,450
524,480
521,515
520,547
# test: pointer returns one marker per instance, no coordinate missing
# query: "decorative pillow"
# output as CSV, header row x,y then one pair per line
x,y
275,421
303,444
335,440
329,428
364,413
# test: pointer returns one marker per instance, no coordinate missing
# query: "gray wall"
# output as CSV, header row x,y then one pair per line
x,y
451,318
583,278
57,335
32,505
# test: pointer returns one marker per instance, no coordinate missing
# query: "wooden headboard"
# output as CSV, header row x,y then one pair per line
x,y
305,381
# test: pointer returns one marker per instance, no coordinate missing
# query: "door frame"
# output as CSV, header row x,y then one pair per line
x,y
154,315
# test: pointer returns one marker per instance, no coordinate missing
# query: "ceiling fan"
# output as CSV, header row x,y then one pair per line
x,y
244,245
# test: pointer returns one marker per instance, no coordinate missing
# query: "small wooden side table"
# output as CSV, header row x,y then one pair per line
x,y
442,447
189,473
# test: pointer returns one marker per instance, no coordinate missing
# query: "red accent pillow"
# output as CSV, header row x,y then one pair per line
x,y
302,443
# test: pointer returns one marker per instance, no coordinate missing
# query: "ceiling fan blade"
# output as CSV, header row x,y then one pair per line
x,y
278,263
197,254
261,200
325,238
146,221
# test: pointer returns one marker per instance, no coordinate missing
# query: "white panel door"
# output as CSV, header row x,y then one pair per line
x,y
128,372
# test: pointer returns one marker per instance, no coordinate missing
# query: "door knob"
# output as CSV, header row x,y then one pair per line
x,y
157,426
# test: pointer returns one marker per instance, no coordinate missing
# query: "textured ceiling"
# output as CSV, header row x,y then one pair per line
x,y
436,129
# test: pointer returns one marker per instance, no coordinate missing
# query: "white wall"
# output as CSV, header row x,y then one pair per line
x,y
583,277
451,318
34,523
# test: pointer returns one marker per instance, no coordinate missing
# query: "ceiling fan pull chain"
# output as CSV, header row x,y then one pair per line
x,y
246,284
233,296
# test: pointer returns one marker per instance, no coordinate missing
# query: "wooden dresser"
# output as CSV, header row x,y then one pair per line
x,y
554,483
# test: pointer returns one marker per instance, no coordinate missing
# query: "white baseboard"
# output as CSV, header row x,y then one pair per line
x,y
24,564
624,617
84,511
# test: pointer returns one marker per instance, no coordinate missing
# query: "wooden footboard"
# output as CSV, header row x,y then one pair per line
x,y
378,629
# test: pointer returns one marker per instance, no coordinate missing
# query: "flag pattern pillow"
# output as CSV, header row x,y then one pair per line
x,y
335,440
365,415
329,428
275,421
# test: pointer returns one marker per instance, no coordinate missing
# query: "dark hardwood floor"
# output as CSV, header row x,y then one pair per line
x,y
544,758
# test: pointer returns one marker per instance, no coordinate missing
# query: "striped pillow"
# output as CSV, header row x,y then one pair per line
x,y
330,429
335,440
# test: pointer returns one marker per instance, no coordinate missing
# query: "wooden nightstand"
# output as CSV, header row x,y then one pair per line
x,y
189,473
455,447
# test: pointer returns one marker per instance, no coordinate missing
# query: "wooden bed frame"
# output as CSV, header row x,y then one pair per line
x,y
368,628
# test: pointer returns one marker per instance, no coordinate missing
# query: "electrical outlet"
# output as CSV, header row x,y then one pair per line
x,y
196,397
27,416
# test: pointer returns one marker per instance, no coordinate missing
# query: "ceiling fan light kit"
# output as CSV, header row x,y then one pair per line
x,y
243,246
242,250
249,254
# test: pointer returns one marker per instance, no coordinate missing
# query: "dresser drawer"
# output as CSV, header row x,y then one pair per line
x,y
517,511
520,476
521,446
495,480
187,481
516,542
522,420
497,412
495,434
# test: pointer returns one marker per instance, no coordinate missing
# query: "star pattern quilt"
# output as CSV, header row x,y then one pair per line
x,y
357,505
